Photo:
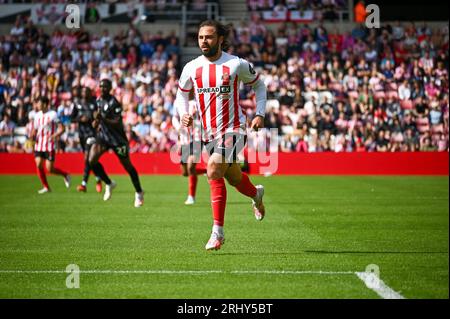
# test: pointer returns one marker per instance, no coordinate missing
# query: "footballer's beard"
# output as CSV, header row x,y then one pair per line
x,y
212,51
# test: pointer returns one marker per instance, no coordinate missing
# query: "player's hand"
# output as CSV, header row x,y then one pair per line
x,y
257,123
187,120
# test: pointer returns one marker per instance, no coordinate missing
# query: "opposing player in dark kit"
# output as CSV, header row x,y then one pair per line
x,y
111,135
83,108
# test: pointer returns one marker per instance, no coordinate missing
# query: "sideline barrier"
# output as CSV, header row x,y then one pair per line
x,y
405,163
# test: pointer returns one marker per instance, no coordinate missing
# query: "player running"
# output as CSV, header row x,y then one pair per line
x,y
215,77
111,135
83,109
46,129
190,150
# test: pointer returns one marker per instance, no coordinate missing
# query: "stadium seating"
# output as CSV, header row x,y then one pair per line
x,y
144,68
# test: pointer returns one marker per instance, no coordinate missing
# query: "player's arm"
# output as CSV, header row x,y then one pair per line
x,y
59,131
76,116
248,75
113,117
182,98
33,134
96,116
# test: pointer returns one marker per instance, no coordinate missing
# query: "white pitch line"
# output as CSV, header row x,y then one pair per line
x,y
383,290
376,284
292,272
182,272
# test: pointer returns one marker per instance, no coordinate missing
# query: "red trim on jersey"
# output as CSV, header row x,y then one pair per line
x,y
236,122
225,101
44,134
250,83
201,97
52,143
184,90
213,98
41,132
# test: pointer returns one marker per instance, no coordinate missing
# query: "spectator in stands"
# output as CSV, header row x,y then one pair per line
x,y
360,12
359,91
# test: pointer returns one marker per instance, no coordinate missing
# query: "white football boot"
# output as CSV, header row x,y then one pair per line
x,y
67,180
43,191
108,190
190,200
258,206
138,199
215,241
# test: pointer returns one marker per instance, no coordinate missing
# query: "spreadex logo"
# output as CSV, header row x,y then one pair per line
x,y
223,89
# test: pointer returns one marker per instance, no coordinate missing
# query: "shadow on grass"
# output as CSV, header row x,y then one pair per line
x,y
324,252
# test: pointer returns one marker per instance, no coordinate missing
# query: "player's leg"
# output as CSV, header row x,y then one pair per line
x,y
86,171
52,169
41,174
131,170
241,180
184,169
192,180
185,173
95,152
216,170
87,167
242,183
195,152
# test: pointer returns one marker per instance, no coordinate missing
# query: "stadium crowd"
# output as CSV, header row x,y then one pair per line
x,y
323,9
368,90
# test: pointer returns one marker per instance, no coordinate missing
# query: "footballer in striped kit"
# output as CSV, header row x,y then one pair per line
x,y
215,77
46,129
190,149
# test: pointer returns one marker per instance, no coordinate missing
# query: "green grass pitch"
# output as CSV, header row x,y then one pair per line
x,y
313,224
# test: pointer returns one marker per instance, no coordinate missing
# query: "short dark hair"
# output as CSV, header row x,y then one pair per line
x,y
106,80
44,100
221,29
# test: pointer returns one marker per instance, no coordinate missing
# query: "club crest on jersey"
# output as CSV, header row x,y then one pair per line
x,y
226,78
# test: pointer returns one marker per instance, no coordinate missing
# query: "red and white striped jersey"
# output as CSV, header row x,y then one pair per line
x,y
189,134
45,125
216,87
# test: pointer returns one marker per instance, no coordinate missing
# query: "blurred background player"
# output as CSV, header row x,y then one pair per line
x,y
190,148
111,135
215,77
83,108
46,129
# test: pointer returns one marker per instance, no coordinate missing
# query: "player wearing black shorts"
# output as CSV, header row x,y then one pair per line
x,y
111,135
83,113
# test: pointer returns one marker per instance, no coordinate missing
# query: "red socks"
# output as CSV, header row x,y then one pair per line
x,y
42,177
246,187
193,180
192,184
218,200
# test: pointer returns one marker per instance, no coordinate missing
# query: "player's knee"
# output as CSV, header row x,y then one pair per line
x,y
191,170
39,164
214,174
91,163
92,160
213,171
